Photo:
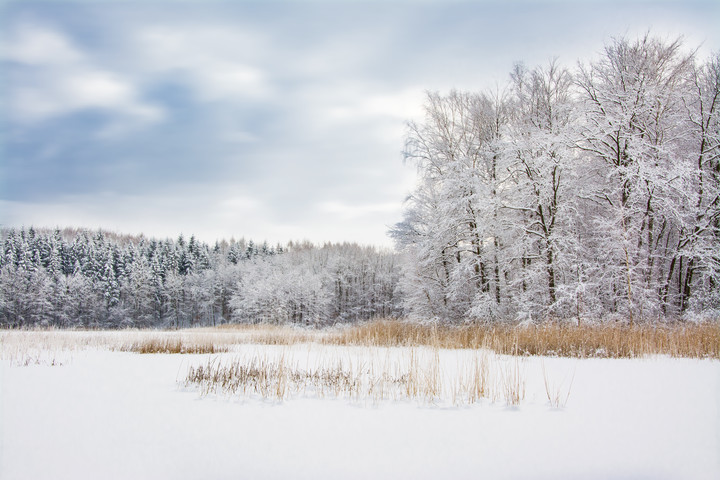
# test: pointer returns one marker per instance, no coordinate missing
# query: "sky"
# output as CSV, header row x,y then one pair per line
x,y
268,120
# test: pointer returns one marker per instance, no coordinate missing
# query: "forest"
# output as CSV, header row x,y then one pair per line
x,y
78,278
580,194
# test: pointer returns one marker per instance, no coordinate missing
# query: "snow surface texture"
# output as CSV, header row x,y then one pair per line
x,y
115,415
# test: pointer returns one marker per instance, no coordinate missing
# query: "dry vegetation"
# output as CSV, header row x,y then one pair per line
x,y
172,345
557,392
269,334
18,345
548,339
415,374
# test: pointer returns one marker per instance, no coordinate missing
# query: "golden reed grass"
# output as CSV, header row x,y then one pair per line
x,y
172,345
548,339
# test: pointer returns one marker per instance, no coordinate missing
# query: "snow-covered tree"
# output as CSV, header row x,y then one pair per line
x,y
451,234
633,130
541,207
587,193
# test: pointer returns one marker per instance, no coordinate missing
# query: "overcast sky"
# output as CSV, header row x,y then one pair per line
x,y
266,120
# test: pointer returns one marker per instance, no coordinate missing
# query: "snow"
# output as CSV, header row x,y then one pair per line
x,y
114,415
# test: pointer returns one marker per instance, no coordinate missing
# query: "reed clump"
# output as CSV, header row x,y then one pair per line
x,y
271,378
172,345
414,374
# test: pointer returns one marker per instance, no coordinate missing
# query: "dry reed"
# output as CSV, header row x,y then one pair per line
x,y
412,374
557,394
172,345
548,339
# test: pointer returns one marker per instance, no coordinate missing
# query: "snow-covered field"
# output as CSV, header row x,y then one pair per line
x,y
89,412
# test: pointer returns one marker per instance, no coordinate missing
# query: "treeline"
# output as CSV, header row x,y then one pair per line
x,y
78,278
585,193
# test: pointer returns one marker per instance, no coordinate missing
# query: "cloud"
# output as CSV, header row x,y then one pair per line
x,y
355,101
33,45
220,63
236,205
56,79
78,88
346,211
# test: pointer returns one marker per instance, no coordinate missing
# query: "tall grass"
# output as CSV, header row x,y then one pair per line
x,y
557,392
415,374
548,339
172,345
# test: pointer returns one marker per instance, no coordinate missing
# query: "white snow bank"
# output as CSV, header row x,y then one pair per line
x,y
122,415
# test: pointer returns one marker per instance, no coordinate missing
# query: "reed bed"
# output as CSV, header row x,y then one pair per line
x,y
414,374
546,339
